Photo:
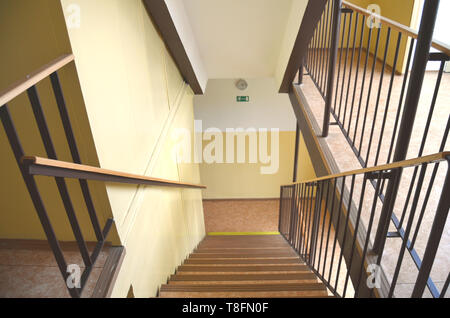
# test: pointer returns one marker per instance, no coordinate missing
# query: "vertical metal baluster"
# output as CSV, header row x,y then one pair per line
x,y
339,210
388,99
328,43
294,232
280,211
369,230
375,114
300,218
402,95
422,53
315,226
399,109
291,212
316,34
64,115
408,229
369,94
325,48
301,215
345,63
310,216
424,205
321,33
297,232
425,135
351,69
362,87
323,222
35,195
339,66
435,236
355,235
357,74
332,63
445,287
304,213
333,195
62,187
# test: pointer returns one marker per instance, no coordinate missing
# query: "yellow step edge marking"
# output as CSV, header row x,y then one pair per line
x,y
242,233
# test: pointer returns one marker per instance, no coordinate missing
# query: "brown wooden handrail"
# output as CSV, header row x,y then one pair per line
x,y
56,168
33,78
399,164
444,48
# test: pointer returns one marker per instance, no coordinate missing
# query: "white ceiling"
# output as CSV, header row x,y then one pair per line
x,y
238,38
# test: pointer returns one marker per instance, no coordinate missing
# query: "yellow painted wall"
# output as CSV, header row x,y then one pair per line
x,y
404,12
236,180
136,99
32,34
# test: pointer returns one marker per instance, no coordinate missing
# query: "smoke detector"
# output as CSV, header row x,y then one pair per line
x,y
241,84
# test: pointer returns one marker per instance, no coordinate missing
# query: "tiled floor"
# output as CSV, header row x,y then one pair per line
x,y
241,215
346,159
33,273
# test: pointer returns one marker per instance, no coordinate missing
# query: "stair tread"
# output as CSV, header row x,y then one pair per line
x,y
274,255
243,267
200,268
268,263
240,294
238,250
238,277
245,287
231,261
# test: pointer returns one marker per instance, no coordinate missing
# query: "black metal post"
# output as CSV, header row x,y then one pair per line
x,y
332,63
436,232
420,61
35,195
297,141
300,74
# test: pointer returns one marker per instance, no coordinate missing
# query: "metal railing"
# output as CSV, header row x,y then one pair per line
x,y
52,167
349,53
333,230
373,94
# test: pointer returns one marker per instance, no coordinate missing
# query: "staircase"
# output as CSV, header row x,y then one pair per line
x,y
243,267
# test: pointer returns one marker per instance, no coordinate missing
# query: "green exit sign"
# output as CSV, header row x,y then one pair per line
x,y
242,99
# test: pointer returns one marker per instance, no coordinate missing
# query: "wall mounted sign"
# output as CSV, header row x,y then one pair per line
x,y
242,99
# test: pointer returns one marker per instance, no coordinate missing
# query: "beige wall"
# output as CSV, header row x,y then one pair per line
x,y
33,33
245,180
405,12
218,109
292,27
136,99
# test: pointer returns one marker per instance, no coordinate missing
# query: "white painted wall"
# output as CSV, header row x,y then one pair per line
x,y
266,109
292,28
239,38
441,31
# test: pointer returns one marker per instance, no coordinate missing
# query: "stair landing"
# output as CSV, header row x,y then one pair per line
x,y
243,266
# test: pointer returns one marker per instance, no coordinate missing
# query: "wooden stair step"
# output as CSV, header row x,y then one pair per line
x,y
265,268
256,255
245,287
237,277
238,294
239,261
248,251
242,245
243,267
245,290
247,282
